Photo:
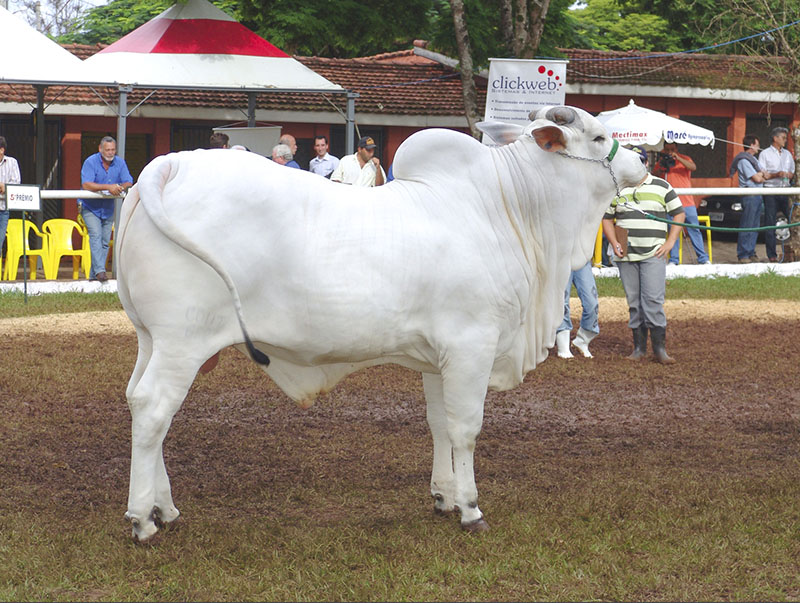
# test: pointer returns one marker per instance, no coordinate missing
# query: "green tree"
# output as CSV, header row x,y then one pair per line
x,y
609,26
485,25
108,23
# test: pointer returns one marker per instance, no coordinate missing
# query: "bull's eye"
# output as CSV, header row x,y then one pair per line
x,y
599,138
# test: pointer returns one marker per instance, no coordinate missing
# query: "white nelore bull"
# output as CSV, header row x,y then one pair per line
x,y
456,269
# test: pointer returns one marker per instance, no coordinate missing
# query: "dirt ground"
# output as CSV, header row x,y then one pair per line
x,y
65,424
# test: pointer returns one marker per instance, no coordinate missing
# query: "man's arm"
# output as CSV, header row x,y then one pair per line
x,y
114,189
379,179
686,161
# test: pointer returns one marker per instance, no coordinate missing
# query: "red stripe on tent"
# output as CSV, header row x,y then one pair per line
x,y
196,36
141,39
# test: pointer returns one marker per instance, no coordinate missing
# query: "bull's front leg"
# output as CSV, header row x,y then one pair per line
x,y
464,382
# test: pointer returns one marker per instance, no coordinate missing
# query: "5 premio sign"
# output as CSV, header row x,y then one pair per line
x,y
518,86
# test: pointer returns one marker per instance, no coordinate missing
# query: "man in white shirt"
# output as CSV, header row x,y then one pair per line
x,y
778,167
9,174
361,168
324,163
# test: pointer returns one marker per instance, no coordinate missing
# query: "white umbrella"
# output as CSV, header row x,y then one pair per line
x,y
634,125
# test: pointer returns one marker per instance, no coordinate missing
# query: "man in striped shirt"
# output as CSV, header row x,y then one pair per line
x,y
9,174
642,262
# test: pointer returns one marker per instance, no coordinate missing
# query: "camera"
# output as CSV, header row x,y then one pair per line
x,y
666,161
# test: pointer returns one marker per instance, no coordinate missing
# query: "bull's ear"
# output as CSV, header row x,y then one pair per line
x,y
549,138
500,132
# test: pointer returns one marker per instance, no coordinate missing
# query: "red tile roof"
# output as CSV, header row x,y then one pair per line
x,y
718,71
403,83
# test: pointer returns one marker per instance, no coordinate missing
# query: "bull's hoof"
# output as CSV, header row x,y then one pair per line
x,y
476,527
439,512
142,532
168,526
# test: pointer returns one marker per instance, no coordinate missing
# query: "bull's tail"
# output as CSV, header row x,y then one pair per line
x,y
151,186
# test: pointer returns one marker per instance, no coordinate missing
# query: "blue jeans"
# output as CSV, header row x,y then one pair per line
x,y
695,236
772,205
3,225
99,237
746,241
583,279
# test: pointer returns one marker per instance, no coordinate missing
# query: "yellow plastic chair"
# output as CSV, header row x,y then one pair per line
x,y
14,249
705,221
60,231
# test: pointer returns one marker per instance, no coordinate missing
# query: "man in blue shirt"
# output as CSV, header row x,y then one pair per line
x,y
108,174
750,176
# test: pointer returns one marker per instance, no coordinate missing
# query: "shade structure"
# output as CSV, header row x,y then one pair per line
x,y
195,45
634,125
33,58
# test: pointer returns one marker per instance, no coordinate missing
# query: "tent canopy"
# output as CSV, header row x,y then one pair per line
x,y
33,58
635,125
197,46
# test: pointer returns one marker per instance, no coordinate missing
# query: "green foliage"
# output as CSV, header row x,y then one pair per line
x,y
108,23
608,27
486,39
337,28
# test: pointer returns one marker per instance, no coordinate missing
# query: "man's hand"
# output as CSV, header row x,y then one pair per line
x,y
2,188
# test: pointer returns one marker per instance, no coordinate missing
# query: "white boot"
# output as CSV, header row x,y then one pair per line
x,y
562,341
582,340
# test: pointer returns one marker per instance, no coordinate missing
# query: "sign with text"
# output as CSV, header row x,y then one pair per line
x,y
25,198
518,86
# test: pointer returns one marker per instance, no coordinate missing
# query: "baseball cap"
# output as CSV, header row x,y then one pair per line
x,y
366,142
639,150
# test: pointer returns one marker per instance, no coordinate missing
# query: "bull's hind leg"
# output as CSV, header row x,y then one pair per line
x,y
443,479
153,401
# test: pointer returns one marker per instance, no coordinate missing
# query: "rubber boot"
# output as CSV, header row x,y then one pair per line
x,y
639,343
658,335
562,341
582,341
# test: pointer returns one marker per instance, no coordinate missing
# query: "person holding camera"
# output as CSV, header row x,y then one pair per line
x,y
676,168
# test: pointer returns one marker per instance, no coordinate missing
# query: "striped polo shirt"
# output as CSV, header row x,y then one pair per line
x,y
654,196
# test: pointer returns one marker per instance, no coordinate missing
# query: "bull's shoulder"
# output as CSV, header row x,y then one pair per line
x,y
429,154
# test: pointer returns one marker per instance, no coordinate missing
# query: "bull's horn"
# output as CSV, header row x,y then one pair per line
x,y
564,116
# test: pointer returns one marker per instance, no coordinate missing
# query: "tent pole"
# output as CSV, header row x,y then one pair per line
x,y
349,139
122,122
251,109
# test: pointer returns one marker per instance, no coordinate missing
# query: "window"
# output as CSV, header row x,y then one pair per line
x,y
337,140
711,163
21,140
761,126
137,149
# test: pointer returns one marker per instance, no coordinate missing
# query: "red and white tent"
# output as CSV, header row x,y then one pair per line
x,y
195,45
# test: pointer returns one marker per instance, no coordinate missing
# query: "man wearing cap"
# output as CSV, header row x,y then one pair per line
x,y
778,167
361,168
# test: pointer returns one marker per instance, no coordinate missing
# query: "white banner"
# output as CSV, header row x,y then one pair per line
x,y
518,86
24,198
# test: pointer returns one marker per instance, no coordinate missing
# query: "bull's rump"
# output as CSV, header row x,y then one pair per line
x,y
325,271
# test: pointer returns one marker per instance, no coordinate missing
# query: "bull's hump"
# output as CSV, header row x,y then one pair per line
x,y
437,154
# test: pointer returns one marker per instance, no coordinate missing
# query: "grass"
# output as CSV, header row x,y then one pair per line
x,y
692,495
13,304
756,287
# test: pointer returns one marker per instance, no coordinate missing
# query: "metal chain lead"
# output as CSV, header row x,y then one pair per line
x,y
602,162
